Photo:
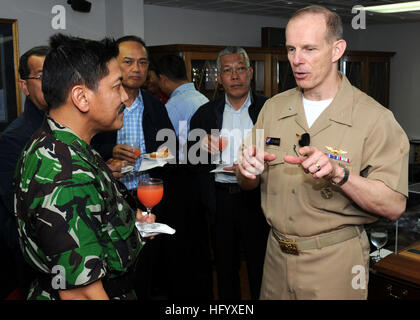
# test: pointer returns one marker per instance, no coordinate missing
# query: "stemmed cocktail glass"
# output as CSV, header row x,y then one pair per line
x,y
379,238
223,142
150,192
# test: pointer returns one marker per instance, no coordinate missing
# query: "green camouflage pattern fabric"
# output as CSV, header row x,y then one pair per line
x,y
71,214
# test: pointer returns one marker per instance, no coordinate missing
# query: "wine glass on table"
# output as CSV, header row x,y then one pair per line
x,y
223,142
150,192
379,238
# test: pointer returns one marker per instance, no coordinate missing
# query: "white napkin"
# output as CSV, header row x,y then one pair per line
x,y
126,169
152,229
384,253
220,168
147,164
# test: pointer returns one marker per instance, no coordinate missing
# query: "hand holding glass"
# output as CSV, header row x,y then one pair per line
x,y
223,142
136,148
150,192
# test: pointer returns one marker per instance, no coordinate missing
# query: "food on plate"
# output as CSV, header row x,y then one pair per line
x,y
159,154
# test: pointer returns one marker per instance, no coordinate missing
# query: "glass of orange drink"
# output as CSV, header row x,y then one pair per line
x,y
150,192
223,142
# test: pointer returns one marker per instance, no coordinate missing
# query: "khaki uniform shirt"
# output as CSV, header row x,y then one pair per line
x,y
368,133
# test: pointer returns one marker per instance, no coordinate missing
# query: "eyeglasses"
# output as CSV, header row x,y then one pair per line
x,y
230,71
34,78
143,63
305,140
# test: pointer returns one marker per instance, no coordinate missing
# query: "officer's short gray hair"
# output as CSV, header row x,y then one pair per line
x,y
232,50
332,20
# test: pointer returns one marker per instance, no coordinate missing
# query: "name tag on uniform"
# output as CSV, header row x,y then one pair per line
x,y
272,141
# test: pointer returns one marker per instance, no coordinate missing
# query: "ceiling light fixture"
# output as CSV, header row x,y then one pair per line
x,y
395,7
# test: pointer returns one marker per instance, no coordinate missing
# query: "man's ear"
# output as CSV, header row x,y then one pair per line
x,y
23,87
339,47
162,79
164,83
80,97
219,78
251,73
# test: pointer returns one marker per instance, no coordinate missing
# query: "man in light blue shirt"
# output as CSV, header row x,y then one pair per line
x,y
235,126
184,98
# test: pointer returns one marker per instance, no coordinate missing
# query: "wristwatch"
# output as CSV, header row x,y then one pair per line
x,y
345,178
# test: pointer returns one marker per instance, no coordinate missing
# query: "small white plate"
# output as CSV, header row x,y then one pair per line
x,y
126,169
221,169
147,156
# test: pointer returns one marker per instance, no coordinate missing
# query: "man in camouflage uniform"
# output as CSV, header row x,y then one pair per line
x,y
75,222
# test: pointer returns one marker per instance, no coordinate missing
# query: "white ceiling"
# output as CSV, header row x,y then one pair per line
x,y
284,8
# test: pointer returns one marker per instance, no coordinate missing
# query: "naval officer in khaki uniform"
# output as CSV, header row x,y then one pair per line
x,y
332,160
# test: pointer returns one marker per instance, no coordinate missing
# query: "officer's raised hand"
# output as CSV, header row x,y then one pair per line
x,y
251,162
315,162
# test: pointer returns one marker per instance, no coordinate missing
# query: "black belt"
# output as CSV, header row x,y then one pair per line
x,y
232,188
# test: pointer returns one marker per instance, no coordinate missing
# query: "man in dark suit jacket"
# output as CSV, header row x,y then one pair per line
x,y
236,216
12,142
